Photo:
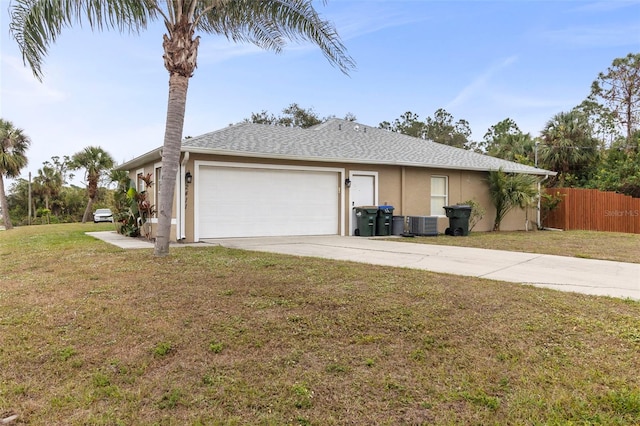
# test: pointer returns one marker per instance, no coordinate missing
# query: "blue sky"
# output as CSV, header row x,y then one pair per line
x,y
482,61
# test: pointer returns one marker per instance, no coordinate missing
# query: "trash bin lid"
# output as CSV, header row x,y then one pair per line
x,y
458,207
368,209
387,209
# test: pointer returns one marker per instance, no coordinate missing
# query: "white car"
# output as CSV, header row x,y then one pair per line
x,y
103,215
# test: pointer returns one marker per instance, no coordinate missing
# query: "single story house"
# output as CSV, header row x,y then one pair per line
x,y
259,180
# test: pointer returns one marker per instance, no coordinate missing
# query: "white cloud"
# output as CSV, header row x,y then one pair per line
x,y
480,84
605,6
25,89
594,36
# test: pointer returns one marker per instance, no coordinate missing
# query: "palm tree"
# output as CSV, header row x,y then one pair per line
x,y
49,181
508,191
123,182
35,24
568,146
13,146
96,162
513,147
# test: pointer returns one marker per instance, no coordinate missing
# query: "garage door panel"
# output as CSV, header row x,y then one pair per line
x,y
241,202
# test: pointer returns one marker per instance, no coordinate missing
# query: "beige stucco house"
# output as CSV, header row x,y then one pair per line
x,y
259,180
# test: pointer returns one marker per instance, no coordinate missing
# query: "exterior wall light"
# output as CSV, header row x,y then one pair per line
x,y
188,177
347,183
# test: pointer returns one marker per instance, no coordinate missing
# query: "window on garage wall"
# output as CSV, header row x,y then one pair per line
x,y
439,195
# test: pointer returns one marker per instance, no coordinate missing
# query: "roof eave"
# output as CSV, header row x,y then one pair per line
x,y
150,156
194,150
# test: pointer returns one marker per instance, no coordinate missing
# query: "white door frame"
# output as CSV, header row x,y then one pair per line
x,y
352,173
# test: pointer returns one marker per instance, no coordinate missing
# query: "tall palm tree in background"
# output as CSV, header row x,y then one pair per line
x,y
96,162
13,147
48,183
518,147
568,146
268,24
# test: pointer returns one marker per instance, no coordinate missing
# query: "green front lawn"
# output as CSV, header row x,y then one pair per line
x,y
92,334
586,244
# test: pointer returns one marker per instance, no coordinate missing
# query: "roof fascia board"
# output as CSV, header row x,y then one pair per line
x,y
149,157
539,172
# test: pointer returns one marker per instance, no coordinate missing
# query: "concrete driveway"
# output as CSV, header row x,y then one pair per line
x,y
595,277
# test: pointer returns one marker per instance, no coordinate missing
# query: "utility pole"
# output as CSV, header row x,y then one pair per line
x,y
29,209
535,163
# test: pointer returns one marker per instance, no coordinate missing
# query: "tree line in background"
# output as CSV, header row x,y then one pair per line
x,y
595,145
47,197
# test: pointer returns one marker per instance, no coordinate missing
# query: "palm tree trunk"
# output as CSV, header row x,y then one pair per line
x,y
178,85
4,205
92,191
87,211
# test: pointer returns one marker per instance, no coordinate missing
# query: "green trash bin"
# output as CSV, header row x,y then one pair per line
x,y
366,220
384,220
458,220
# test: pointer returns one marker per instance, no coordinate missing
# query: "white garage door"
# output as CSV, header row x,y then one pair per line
x,y
252,202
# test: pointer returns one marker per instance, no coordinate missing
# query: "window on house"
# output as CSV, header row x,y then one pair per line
x,y
439,195
139,181
156,185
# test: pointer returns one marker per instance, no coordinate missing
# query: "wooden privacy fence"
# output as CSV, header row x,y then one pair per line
x,y
594,210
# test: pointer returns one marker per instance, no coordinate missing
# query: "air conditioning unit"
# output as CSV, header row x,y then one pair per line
x,y
423,225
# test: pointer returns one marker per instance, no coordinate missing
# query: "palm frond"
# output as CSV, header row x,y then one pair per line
x,y
13,147
270,23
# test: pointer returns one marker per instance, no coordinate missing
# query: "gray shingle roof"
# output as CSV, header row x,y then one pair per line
x,y
345,141
338,141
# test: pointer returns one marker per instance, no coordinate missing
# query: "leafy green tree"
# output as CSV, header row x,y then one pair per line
x,y
292,116
13,147
510,190
96,162
505,140
518,148
35,24
602,121
123,183
618,89
568,148
442,129
48,182
499,130
408,124
18,200
71,202
350,117
619,170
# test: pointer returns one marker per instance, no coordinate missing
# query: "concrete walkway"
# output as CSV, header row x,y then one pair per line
x,y
595,277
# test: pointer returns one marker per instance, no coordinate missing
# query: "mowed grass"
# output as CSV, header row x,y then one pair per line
x,y
615,246
93,334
